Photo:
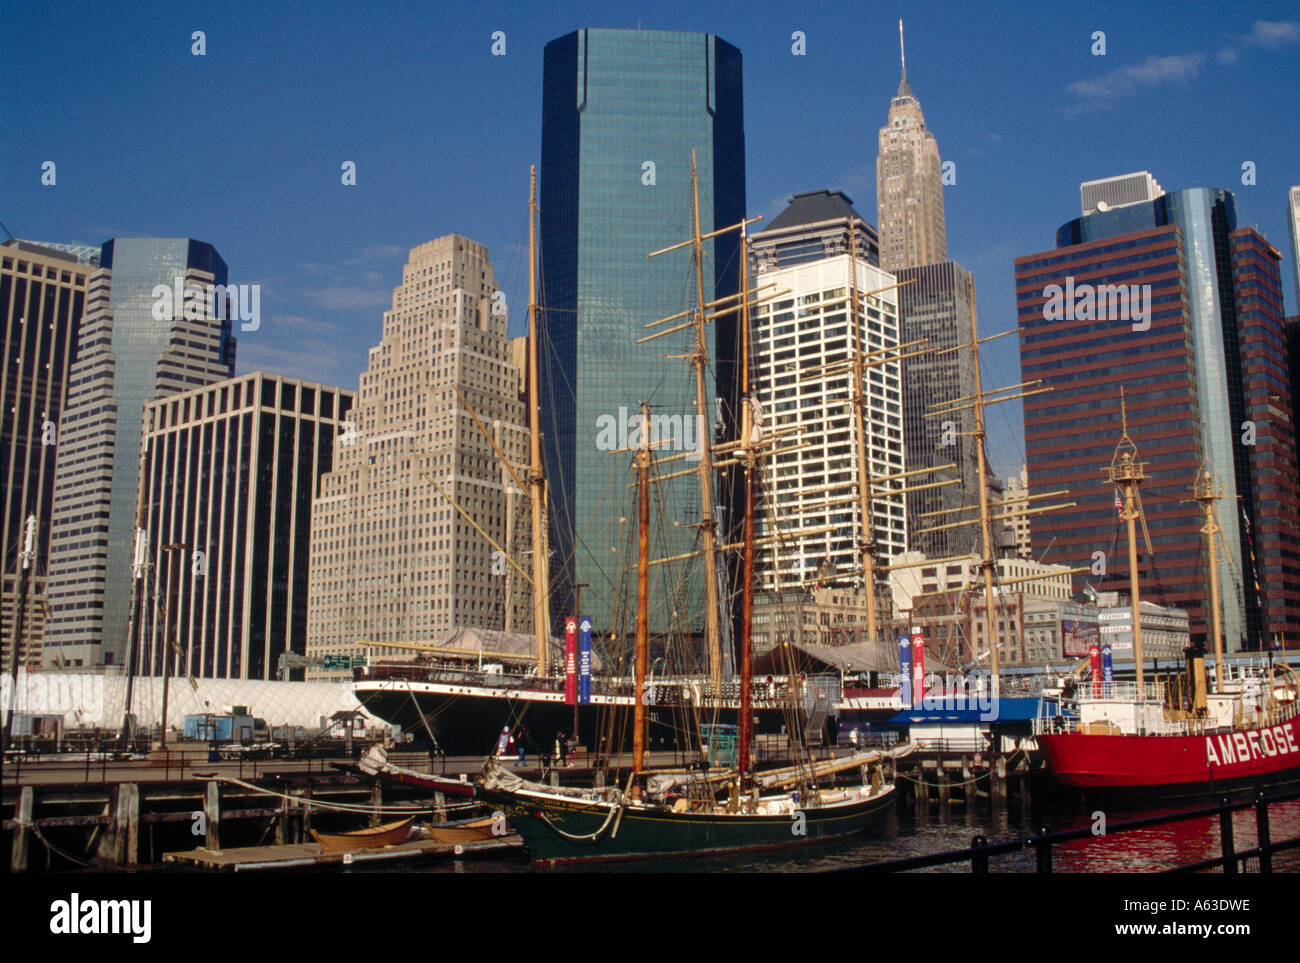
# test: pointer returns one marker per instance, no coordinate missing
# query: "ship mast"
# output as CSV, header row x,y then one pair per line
x,y
1128,473
987,564
642,585
866,535
750,455
1207,495
708,527
536,473
699,359
978,402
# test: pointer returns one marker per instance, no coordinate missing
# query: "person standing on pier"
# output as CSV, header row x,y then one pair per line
x,y
519,742
559,749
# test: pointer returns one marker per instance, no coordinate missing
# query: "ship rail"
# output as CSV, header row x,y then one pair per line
x,y
665,691
1068,722
1099,691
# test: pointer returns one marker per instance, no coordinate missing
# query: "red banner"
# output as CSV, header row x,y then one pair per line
x,y
918,666
571,661
1094,663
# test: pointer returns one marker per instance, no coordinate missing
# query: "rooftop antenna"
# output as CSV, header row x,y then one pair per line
x,y
902,56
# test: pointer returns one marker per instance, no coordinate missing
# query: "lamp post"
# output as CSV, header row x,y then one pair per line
x,y
169,643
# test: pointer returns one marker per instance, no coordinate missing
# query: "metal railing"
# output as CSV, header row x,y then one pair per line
x,y
1230,861
665,691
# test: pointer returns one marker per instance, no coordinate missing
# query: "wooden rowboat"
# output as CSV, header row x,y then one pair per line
x,y
464,831
375,837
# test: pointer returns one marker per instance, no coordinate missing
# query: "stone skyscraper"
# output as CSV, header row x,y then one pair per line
x,y
127,354
909,185
391,559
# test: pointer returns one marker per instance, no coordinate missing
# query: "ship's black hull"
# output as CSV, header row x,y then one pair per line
x,y
470,723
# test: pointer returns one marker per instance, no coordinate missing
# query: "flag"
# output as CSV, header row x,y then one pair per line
x,y
1119,505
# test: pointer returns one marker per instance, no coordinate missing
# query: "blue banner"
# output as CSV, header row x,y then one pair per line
x,y
1107,672
584,661
905,669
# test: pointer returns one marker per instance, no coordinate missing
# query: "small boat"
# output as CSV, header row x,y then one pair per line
x,y
376,837
375,763
468,830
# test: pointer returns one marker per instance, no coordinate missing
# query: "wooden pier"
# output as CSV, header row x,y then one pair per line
x,y
942,781
137,817
312,856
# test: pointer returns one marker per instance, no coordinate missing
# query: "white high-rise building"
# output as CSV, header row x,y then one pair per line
x,y
392,559
1107,193
793,340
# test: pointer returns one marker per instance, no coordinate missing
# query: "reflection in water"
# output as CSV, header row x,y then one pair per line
x,y
1146,850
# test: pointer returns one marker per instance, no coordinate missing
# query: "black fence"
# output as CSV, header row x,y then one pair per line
x,y
1260,858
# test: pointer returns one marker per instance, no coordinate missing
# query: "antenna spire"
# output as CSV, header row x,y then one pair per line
x,y
903,89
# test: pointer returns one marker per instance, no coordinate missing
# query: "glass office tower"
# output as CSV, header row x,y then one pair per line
x,y
125,357
622,111
1217,290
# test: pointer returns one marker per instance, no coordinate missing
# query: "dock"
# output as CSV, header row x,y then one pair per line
x,y
243,859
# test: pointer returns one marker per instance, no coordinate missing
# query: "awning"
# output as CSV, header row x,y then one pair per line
x,y
855,657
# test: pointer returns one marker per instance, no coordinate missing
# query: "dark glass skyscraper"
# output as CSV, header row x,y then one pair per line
x,y
230,471
937,307
622,111
42,296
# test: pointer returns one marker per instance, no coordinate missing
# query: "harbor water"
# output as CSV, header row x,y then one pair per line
x,y
1142,851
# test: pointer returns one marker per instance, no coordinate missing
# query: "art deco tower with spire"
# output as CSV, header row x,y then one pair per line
x,y
909,189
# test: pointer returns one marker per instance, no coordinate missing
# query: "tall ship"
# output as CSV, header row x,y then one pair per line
x,y
1188,733
719,803
461,693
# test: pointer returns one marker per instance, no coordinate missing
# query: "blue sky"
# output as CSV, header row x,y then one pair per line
x,y
242,147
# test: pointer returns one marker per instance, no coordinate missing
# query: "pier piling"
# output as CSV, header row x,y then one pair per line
x,y
212,815
22,831
998,783
126,829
